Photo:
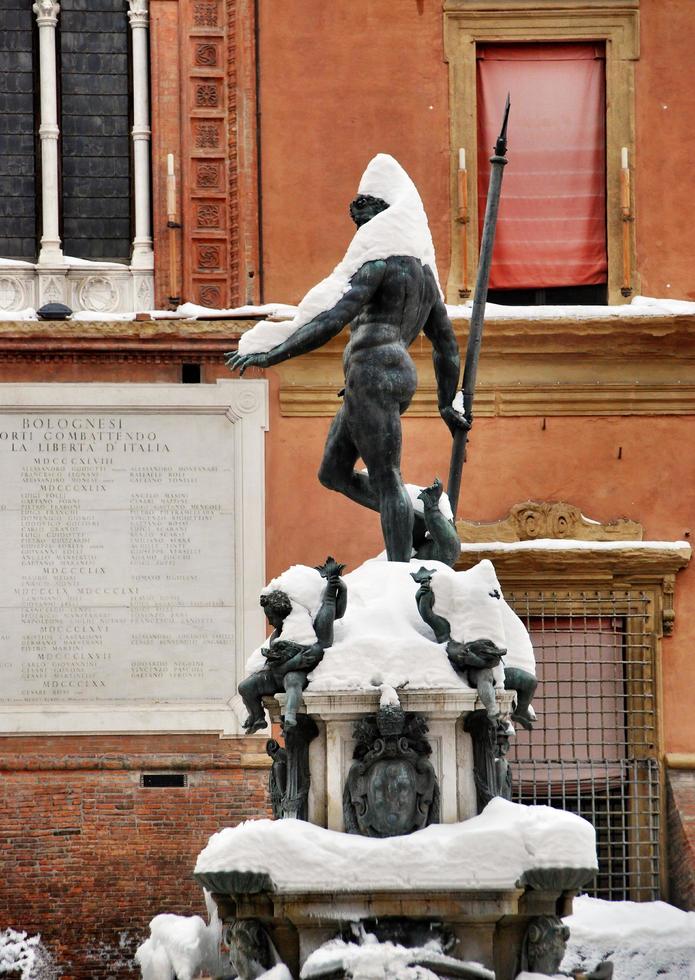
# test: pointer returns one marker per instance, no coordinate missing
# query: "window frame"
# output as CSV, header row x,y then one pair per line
x,y
97,284
615,23
627,565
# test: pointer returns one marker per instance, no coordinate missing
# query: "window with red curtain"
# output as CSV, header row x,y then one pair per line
x,y
552,221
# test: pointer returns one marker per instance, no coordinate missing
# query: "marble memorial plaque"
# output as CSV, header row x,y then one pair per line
x,y
128,591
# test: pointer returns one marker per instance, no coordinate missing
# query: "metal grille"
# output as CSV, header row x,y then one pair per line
x,y
593,750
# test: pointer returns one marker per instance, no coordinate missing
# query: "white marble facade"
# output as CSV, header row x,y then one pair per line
x,y
132,522
102,287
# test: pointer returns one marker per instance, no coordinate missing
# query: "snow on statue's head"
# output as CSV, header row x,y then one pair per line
x,y
302,589
400,229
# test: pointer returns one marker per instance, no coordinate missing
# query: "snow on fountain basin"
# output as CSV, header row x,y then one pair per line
x,y
490,851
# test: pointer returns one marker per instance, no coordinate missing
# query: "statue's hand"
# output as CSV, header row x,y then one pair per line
x,y
335,582
424,597
455,420
240,362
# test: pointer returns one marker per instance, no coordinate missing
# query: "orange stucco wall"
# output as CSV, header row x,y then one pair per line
x,y
510,460
340,82
665,183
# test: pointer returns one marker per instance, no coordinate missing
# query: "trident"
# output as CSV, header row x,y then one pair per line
x,y
475,335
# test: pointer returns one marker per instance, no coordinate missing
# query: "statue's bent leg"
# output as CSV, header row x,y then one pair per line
x,y
377,433
294,683
251,690
337,470
525,684
486,690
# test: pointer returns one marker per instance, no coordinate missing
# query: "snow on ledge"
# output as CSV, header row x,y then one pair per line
x,y
640,307
574,544
491,850
276,311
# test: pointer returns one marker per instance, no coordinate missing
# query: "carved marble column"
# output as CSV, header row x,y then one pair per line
x,y
143,255
47,18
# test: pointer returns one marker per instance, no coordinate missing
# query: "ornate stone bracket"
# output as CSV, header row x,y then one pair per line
x,y
290,777
532,520
543,949
490,747
251,950
668,614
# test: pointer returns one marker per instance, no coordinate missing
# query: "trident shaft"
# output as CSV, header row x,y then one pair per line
x,y
475,335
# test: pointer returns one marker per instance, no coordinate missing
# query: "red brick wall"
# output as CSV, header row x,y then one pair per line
x,y
90,856
681,838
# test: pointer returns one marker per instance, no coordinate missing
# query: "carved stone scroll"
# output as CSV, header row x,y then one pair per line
x,y
533,520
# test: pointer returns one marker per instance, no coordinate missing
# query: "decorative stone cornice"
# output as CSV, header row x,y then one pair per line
x,y
46,12
544,366
66,334
163,341
598,563
575,566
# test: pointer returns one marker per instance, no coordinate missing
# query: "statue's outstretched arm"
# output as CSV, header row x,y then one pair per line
x,y
424,597
323,327
341,600
447,362
333,605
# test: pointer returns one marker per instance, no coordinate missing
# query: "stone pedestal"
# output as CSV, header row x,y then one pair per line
x,y
488,923
331,753
392,756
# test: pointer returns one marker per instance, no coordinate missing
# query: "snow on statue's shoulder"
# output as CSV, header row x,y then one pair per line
x,y
401,229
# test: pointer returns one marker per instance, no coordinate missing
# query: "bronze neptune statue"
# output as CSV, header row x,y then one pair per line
x,y
386,288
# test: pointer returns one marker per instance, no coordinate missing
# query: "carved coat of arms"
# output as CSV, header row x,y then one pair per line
x,y
391,788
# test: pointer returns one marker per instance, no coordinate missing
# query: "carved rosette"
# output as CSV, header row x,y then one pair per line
x,y
97,293
11,293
